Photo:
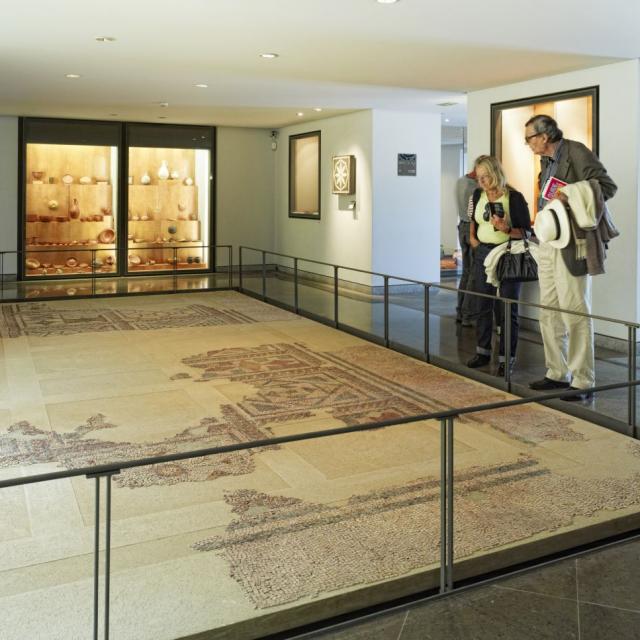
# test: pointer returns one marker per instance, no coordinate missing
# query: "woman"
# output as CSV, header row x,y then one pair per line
x,y
499,212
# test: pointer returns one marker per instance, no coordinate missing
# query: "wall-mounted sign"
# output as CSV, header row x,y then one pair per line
x,y
344,175
407,164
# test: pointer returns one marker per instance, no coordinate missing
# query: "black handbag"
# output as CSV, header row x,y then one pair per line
x,y
517,267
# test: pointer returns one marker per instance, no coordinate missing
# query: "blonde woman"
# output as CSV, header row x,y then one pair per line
x,y
498,212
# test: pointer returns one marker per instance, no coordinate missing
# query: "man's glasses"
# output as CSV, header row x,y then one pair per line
x,y
533,135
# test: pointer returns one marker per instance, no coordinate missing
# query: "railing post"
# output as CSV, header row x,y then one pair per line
x,y
446,504
107,553
335,295
386,311
93,272
506,331
427,335
296,304
2,270
230,266
175,269
632,377
240,268
264,275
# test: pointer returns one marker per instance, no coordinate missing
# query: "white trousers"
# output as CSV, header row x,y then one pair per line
x,y
568,339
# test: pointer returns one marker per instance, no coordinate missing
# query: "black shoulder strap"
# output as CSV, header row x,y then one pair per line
x,y
476,197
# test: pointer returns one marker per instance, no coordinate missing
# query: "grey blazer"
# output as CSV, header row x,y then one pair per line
x,y
577,162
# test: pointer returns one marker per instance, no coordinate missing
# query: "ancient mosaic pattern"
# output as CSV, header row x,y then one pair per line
x,y
363,384
293,382
281,549
531,424
46,319
25,444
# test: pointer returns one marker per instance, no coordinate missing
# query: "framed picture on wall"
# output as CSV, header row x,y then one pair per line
x,y
343,175
576,113
304,175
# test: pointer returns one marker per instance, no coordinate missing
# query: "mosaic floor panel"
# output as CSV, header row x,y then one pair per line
x,y
86,382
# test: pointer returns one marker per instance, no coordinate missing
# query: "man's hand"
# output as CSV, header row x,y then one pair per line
x,y
562,197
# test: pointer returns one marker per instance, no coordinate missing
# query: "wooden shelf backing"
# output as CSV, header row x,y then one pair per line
x,y
148,160
60,232
56,160
169,199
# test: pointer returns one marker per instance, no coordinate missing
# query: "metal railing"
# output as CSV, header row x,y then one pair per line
x,y
97,270
447,495
631,327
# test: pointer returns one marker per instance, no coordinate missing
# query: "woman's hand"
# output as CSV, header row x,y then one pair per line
x,y
500,224
474,242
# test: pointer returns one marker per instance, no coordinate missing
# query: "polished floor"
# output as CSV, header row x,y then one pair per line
x,y
595,596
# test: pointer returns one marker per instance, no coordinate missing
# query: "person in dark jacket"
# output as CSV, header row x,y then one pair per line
x,y
499,213
564,281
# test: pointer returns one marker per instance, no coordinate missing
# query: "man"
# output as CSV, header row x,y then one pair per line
x,y
465,187
564,281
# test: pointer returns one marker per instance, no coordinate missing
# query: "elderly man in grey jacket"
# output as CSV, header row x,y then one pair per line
x,y
564,281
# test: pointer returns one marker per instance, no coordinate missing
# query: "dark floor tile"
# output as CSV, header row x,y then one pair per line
x,y
493,614
603,623
558,579
611,576
383,627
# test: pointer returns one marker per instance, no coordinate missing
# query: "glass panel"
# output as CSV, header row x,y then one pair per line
x,y
315,289
168,218
280,284
406,314
71,200
46,544
361,302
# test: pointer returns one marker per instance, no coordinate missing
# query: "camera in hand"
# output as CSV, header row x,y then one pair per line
x,y
492,209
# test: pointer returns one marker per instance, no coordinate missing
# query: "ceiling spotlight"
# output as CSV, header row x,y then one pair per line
x,y
300,114
269,56
446,119
105,39
164,105
201,85
72,75
318,109
386,1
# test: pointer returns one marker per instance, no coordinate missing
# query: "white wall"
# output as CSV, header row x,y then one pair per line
x,y
245,171
9,189
406,220
451,170
341,236
615,294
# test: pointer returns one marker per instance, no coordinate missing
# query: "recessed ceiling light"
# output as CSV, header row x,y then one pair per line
x,y
269,56
162,117
113,114
201,85
318,109
387,1
446,119
105,39
164,105
72,75
300,114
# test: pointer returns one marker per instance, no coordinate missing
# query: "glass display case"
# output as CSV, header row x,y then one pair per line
x,y
169,198
70,176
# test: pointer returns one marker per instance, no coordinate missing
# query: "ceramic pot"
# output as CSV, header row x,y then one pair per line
x,y
188,181
32,263
146,179
67,178
85,180
175,175
163,171
107,236
74,209
37,176
72,262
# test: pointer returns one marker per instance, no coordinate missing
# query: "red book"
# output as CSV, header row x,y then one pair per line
x,y
550,189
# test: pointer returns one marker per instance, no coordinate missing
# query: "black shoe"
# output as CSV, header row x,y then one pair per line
x,y
479,360
578,397
500,372
547,384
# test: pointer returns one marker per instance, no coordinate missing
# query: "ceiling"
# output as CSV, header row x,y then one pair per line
x,y
340,55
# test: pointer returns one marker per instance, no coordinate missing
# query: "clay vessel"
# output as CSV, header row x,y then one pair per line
x,y
32,263
146,179
37,175
163,171
74,210
107,236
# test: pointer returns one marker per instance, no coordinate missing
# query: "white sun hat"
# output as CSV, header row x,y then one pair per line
x,y
552,225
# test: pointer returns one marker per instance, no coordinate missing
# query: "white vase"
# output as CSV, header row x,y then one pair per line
x,y
146,179
163,171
